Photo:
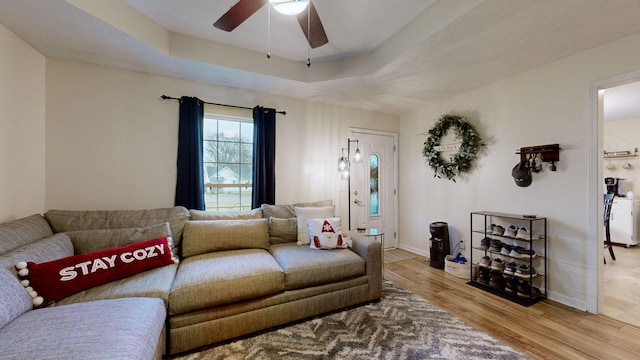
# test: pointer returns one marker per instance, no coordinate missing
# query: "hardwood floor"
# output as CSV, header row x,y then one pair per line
x,y
546,330
622,285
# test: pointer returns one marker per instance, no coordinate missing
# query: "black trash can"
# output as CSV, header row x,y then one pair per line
x,y
439,244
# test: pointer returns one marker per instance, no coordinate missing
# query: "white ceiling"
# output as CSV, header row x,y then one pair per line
x,y
622,102
388,56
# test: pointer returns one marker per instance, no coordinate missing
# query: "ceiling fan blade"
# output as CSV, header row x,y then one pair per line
x,y
238,13
318,35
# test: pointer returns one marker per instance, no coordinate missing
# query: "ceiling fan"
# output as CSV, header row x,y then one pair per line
x,y
308,19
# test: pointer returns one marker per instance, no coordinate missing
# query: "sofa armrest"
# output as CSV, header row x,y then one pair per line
x,y
371,251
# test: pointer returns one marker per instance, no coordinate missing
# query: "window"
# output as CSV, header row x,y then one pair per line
x,y
374,197
228,158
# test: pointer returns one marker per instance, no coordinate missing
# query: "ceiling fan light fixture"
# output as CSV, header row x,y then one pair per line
x,y
289,7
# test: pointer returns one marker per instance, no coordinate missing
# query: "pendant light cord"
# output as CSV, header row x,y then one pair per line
x,y
309,34
269,32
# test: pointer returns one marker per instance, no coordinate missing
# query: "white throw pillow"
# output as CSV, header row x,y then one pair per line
x,y
327,234
305,213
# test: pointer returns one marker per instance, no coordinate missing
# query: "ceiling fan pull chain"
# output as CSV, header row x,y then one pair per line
x,y
269,32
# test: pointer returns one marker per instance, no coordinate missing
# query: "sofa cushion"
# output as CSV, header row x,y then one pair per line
x,y
288,211
225,215
88,241
224,277
54,280
109,329
54,247
16,233
283,230
15,301
203,236
155,283
304,267
71,220
278,211
305,213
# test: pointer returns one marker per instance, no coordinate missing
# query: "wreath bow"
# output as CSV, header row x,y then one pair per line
x,y
460,162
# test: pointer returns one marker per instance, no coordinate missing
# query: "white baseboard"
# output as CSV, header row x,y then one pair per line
x,y
413,250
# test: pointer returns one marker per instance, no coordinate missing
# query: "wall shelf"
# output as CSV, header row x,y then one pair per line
x,y
613,157
620,154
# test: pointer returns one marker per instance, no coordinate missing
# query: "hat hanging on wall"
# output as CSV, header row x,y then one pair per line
x,y
521,174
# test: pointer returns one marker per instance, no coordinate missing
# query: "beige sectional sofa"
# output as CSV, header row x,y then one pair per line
x,y
238,273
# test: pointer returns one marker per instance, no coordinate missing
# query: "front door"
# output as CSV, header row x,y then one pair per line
x,y
373,184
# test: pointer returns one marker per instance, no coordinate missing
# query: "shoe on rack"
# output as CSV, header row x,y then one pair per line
x,y
485,243
496,245
510,268
485,261
497,264
490,228
496,280
524,289
525,234
514,251
483,275
498,230
512,285
506,249
535,292
524,271
525,253
511,231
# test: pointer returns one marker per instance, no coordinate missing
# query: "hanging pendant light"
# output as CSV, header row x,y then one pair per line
x,y
289,7
343,162
358,156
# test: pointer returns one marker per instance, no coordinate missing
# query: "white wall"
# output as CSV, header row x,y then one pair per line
x,y
22,128
622,135
546,105
111,140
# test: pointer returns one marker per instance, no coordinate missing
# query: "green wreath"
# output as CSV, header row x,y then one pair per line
x,y
462,161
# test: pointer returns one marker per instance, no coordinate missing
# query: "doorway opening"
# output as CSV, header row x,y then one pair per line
x,y
619,120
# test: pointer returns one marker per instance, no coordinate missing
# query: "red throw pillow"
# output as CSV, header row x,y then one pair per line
x,y
50,281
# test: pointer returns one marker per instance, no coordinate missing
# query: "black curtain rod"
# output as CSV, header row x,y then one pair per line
x,y
165,97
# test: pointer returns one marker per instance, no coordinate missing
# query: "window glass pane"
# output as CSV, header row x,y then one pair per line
x,y
228,130
246,153
245,198
246,132
210,151
374,205
210,172
228,152
246,174
210,129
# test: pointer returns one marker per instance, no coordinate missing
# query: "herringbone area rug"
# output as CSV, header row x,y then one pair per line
x,y
400,326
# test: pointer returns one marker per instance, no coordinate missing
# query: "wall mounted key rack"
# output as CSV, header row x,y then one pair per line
x,y
536,155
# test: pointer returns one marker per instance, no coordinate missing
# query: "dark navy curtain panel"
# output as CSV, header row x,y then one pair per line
x,y
190,179
264,156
